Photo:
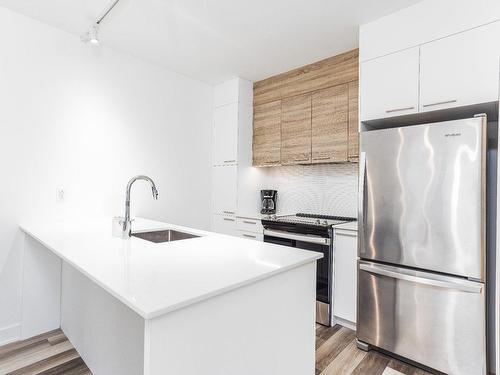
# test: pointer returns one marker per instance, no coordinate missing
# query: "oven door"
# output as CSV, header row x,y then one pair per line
x,y
323,266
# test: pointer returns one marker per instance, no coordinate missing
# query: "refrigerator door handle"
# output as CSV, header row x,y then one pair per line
x,y
414,276
361,202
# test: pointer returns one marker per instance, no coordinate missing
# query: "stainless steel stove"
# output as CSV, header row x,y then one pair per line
x,y
310,219
315,233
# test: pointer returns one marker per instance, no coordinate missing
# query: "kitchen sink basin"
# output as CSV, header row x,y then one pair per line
x,y
168,235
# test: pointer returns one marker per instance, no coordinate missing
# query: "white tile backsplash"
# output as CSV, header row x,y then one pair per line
x,y
329,189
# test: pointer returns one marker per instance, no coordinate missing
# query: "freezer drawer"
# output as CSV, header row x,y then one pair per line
x,y
436,320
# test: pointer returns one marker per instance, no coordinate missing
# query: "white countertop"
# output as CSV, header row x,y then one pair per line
x,y
352,225
157,278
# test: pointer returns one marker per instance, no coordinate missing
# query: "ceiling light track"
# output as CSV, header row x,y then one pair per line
x,y
92,35
106,11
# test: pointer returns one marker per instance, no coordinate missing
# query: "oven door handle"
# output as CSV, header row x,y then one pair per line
x,y
297,237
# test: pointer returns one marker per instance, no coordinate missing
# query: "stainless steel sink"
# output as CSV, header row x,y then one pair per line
x,y
168,235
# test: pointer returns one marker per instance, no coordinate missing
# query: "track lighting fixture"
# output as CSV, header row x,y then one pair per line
x,y
92,35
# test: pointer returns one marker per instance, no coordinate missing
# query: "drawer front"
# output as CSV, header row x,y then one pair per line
x,y
435,320
224,224
249,225
251,236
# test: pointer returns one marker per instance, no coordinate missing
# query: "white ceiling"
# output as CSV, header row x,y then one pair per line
x,y
214,40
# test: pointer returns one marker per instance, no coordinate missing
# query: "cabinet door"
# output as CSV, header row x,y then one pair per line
x,y
389,85
266,145
224,189
224,224
353,141
296,130
345,285
330,121
462,69
225,134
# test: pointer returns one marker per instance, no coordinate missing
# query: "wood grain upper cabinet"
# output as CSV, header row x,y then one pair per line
x,y
296,130
330,121
460,70
267,134
353,137
389,85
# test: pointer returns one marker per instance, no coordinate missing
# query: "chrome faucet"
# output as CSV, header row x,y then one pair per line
x,y
127,223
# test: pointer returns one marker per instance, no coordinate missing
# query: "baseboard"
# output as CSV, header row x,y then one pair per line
x,y
344,323
10,334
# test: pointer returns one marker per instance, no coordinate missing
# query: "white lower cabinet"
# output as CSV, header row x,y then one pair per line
x,y
246,224
250,235
250,228
224,224
345,276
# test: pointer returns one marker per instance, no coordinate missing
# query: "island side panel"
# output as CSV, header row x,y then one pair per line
x,y
264,328
107,334
41,289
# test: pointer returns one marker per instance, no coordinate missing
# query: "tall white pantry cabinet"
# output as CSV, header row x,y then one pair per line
x,y
231,150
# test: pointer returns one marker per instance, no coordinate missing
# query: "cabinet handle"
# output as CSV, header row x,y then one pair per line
x,y
301,159
440,103
228,212
229,161
399,109
249,222
227,219
325,158
249,235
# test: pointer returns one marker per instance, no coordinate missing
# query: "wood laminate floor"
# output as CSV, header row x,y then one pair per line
x,y
336,354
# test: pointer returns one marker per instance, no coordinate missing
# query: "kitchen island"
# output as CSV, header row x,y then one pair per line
x,y
211,304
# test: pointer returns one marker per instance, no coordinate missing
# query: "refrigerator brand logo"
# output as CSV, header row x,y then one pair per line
x,y
453,134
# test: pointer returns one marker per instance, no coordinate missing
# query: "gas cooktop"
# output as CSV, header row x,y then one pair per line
x,y
310,219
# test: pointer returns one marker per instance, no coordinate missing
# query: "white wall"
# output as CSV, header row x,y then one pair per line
x,y
87,119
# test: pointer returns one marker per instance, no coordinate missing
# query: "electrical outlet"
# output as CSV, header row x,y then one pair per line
x,y
60,194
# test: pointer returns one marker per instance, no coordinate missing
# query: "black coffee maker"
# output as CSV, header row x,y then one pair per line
x,y
268,199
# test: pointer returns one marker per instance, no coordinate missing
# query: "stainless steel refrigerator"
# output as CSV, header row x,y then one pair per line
x,y
422,247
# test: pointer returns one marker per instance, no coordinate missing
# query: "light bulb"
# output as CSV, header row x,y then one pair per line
x,y
92,35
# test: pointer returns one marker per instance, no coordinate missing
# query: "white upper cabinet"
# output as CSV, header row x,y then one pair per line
x,y
461,70
225,139
389,85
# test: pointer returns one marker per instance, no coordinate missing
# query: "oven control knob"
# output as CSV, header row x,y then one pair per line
x,y
318,221
325,222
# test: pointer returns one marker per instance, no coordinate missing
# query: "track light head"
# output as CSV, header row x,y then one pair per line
x,y
92,35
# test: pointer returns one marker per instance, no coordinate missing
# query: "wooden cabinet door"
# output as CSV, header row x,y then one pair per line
x,y
460,70
330,121
353,137
389,85
266,147
296,130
